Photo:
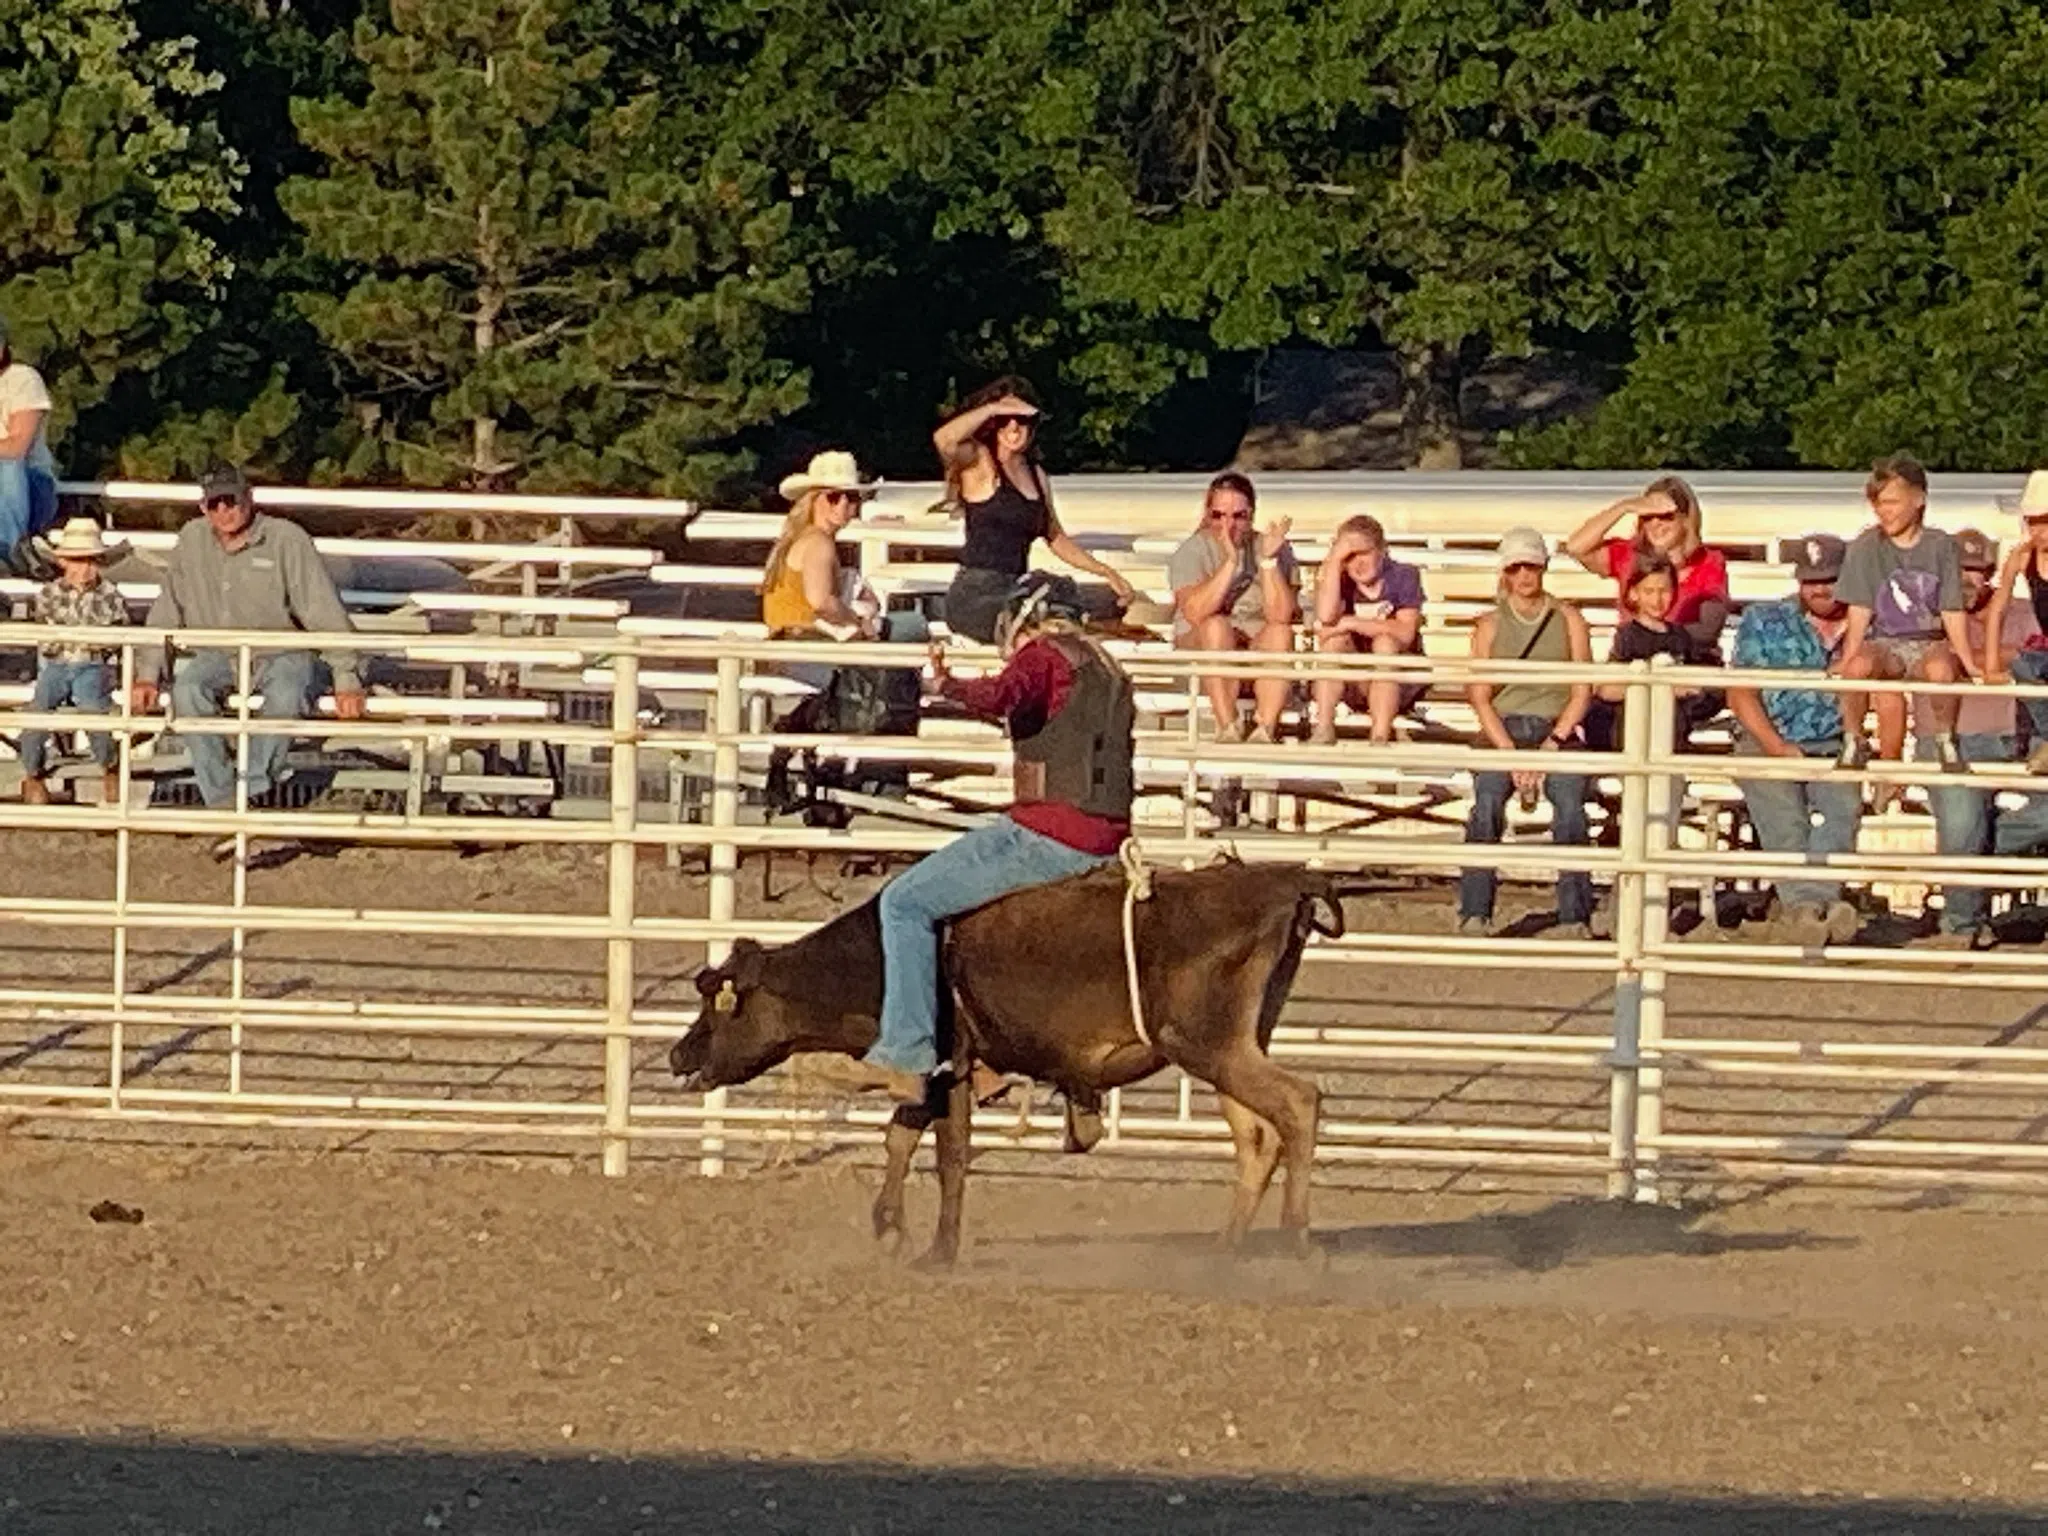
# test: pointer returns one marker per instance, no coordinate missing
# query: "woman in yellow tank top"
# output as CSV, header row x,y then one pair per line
x,y
802,589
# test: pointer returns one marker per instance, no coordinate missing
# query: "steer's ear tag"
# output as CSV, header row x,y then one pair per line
x,y
727,1000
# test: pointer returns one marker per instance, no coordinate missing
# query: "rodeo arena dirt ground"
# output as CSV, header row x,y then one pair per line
x,y
353,1333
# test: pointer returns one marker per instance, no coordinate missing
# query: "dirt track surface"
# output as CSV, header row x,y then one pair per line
x,y
352,1344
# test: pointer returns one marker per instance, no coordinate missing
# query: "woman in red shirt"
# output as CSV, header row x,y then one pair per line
x,y
1667,518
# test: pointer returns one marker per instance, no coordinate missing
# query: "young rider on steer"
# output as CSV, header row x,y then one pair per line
x,y
1069,711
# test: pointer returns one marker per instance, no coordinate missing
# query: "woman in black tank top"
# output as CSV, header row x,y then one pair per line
x,y
993,475
2027,559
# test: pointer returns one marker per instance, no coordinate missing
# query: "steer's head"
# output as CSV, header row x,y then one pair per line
x,y
745,1028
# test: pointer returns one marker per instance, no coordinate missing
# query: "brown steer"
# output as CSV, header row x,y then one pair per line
x,y
1039,989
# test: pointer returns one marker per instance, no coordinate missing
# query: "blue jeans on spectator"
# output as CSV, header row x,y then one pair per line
x,y
969,872
80,684
1566,793
2032,667
1803,816
288,681
1968,822
28,503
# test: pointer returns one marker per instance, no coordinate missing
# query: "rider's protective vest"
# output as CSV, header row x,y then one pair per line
x,y
1082,755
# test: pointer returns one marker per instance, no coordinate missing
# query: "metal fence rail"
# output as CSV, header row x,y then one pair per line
x,y
1672,1102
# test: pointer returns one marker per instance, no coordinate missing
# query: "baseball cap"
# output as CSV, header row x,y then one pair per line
x,y
223,482
1815,556
1522,546
1976,552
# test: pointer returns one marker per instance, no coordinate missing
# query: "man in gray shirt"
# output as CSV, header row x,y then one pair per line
x,y
238,569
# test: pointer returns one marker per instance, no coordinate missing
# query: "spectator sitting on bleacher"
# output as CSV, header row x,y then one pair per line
x,y
1528,624
1802,817
68,672
1366,601
1234,590
1667,518
993,476
28,475
236,568
804,590
1903,586
1647,630
2029,558
1969,823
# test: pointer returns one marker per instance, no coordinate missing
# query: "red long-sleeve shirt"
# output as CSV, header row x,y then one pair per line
x,y
1030,690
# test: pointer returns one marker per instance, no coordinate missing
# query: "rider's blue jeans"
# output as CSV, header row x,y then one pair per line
x,y
972,871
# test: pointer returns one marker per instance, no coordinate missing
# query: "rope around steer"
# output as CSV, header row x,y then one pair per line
x,y
1137,888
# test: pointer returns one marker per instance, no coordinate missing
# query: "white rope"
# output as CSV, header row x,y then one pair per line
x,y
1137,888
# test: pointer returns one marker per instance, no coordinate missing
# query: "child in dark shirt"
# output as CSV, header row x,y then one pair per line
x,y
1647,594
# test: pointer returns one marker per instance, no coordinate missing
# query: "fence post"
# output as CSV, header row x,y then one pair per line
x,y
1624,1063
724,864
619,979
1657,839
245,684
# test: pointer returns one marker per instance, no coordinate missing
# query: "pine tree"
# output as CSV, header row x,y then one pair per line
x,y
113,182
547,275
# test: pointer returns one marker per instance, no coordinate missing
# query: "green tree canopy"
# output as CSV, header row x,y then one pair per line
x,y
114,183
543,273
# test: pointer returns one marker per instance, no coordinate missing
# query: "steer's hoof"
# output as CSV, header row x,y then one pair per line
x,y
936,1259
1084,1129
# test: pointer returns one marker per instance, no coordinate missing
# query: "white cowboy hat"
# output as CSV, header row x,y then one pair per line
x,y
2031,502
833,470
79,539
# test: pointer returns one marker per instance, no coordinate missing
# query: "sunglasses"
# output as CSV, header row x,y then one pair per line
x,y
1230,517
1520,565
1657,517
839,498
220,501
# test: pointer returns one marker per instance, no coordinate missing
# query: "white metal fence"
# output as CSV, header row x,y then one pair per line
x,y
1838,1080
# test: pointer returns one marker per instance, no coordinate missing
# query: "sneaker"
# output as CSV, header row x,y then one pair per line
x,y
1231,734
2037,760
1476,927
1805,924
110,787
1950,753
1260,736
1579,931
1324,735
34,792
1855,753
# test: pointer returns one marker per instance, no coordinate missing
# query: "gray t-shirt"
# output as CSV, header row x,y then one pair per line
x,y
1199,557
1906,590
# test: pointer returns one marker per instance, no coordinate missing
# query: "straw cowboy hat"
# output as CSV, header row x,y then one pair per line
x,y
833,470
2033,501
79,539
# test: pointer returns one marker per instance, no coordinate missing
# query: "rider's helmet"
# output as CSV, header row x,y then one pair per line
x,y
1036,597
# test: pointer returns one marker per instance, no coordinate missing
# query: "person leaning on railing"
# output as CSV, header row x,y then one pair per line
x,y
1969,822
1528,624
1804,817
236,568
996,482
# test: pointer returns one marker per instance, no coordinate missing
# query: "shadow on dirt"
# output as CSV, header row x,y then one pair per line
x,y
53,1487
1568,1232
